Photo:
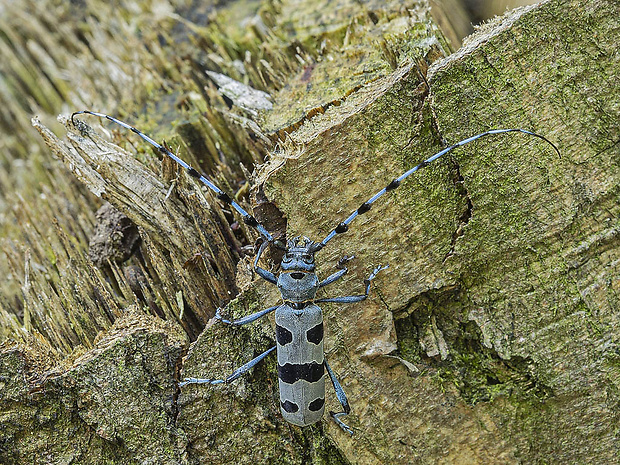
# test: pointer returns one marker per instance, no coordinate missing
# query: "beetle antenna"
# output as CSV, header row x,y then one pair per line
x,y
344,226
247,218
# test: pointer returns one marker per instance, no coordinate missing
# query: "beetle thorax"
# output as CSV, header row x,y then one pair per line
x,y
298,281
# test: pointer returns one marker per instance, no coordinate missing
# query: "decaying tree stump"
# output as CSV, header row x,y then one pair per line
x,y
492,337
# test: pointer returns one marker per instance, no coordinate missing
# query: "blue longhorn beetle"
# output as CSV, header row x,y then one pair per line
x,y
299,320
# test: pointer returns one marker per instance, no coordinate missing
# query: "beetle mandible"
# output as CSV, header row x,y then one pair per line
x,y
299,320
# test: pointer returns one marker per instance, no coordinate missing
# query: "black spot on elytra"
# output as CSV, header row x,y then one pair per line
x,y
283,335
316,404
315,335
291,372
289,406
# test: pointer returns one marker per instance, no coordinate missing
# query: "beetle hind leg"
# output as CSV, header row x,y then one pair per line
x,y
342,398
335,417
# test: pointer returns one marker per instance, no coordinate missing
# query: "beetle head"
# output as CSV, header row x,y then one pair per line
x,y
299,254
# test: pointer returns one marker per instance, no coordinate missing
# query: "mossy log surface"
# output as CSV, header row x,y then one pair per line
x,y
493,336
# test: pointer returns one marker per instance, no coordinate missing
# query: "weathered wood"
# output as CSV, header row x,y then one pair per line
x,y
496,320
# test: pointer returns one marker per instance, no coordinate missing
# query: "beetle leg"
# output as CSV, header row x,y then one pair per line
x,y
349,299
233,376
342,398
263,273
338,274
246,319
332,278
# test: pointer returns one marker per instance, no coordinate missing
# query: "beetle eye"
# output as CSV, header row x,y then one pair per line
x,y
307,258
287,258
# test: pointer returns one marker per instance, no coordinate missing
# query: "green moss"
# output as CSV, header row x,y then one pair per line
x,y
479,372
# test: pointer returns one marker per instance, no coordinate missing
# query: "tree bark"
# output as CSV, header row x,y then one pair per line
x,y
490,339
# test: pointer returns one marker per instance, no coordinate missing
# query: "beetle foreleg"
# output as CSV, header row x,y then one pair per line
x,y
338,274
233,376
342,398
334,277
263,273
349,299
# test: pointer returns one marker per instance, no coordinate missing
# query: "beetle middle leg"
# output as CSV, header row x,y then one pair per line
x,y
246,319
233,376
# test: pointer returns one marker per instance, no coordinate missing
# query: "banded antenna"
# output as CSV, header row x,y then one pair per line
x,y
247,218
344,226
